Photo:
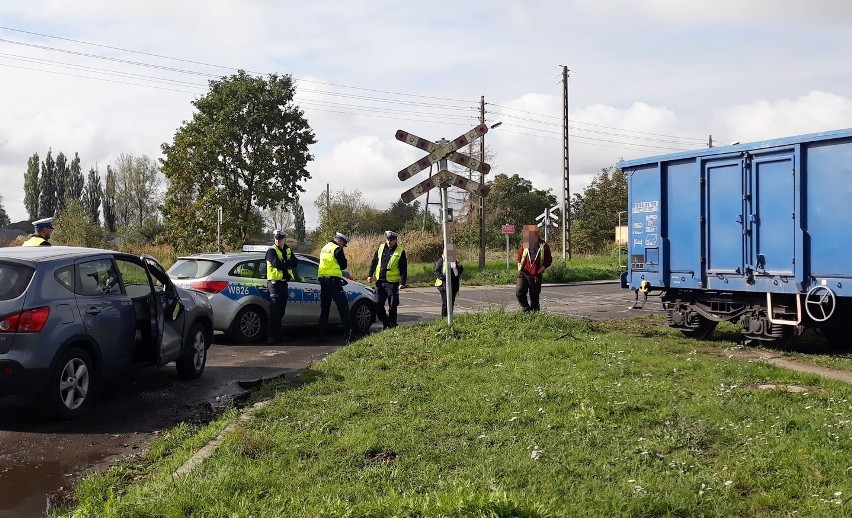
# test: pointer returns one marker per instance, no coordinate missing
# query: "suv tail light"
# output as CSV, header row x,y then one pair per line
x,y
29,321
209,286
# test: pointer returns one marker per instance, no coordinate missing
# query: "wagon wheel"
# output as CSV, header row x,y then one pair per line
x,y
820,303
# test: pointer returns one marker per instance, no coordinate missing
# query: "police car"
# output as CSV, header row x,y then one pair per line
x,y
235,284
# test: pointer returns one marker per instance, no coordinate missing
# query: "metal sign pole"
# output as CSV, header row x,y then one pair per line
x,y
507,251
449,275
219,230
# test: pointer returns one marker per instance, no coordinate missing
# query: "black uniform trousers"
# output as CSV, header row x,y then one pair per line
x,y
528,283
331,288
443,291
277,307
387,292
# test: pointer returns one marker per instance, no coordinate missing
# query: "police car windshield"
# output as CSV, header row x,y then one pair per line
x,y
193,268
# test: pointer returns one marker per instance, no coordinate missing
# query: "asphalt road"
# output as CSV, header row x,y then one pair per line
x,y
39,460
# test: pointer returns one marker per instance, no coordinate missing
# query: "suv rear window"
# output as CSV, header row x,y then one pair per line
x,y
14,279
193,268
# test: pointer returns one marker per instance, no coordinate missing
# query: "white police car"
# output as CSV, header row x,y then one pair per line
x,y
235,284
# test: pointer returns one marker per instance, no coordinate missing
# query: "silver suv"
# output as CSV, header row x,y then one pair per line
x,y
72,317
235,284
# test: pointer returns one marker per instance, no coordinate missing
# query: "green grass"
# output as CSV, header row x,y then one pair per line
x,y
512,414
495,272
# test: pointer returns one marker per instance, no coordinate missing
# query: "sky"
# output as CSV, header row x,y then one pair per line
x,y
646,78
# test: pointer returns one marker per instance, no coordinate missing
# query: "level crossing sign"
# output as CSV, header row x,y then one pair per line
x,y
548,217
442,178
443,151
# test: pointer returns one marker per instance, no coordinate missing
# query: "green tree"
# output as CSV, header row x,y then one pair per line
x,y
60,179
31,188
47,187
594,213
74,227
512,200
109,201
246,147
137,189
4,218
299,220
75,181
92,194
340,213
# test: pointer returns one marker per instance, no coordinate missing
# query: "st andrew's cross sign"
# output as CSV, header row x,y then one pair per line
x,y
447,178
446,151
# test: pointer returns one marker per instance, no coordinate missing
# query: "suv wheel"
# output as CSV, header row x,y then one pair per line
x,y
192,359
362,315
249,325
71,384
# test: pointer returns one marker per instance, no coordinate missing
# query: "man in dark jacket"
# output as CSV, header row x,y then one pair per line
x,y
455,269
533,259
280,261
389,268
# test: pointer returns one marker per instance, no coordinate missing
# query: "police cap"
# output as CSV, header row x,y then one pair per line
x,y
342,237
43,223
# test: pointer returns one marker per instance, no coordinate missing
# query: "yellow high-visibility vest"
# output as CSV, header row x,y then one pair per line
x,y
392,274
328,266
273,273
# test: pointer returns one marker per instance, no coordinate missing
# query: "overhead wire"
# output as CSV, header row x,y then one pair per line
x,y
315,104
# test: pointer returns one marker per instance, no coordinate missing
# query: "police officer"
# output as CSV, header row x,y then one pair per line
x,y
43,231
390,269
280,260
331,265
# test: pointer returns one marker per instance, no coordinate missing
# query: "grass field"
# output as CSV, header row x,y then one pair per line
x,y
511,414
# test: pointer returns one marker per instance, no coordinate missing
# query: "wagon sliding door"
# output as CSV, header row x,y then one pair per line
x,y
725,243
771,224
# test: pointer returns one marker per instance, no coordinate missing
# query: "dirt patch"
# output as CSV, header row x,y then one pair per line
x,y
796,389
775,358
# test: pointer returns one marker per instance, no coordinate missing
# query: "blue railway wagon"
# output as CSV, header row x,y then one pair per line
x,y
757,234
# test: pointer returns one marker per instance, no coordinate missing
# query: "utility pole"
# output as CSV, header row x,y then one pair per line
x,y
482,182
710,141
566,193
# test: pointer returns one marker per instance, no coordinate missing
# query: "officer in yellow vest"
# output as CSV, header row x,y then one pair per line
x,y
331,265
389,267
280,261
43,231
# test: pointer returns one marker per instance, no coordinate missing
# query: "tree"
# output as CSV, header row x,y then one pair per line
x,y
515,201
47,187
277,218
31,189
299,220
340,213
246,147
4,218
594,214
75,228
92,194
137,189
75,181
60,179
109,201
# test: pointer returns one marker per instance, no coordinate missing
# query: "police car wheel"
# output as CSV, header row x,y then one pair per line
x,y
249,325
362,316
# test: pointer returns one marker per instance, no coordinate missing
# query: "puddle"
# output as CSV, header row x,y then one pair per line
x,y
24,488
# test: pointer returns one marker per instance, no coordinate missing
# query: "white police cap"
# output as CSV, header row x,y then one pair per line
x,y
43,223
342,237
390,234
279,233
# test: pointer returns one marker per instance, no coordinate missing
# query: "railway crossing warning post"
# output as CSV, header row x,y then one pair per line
x,y
547,219
439,152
